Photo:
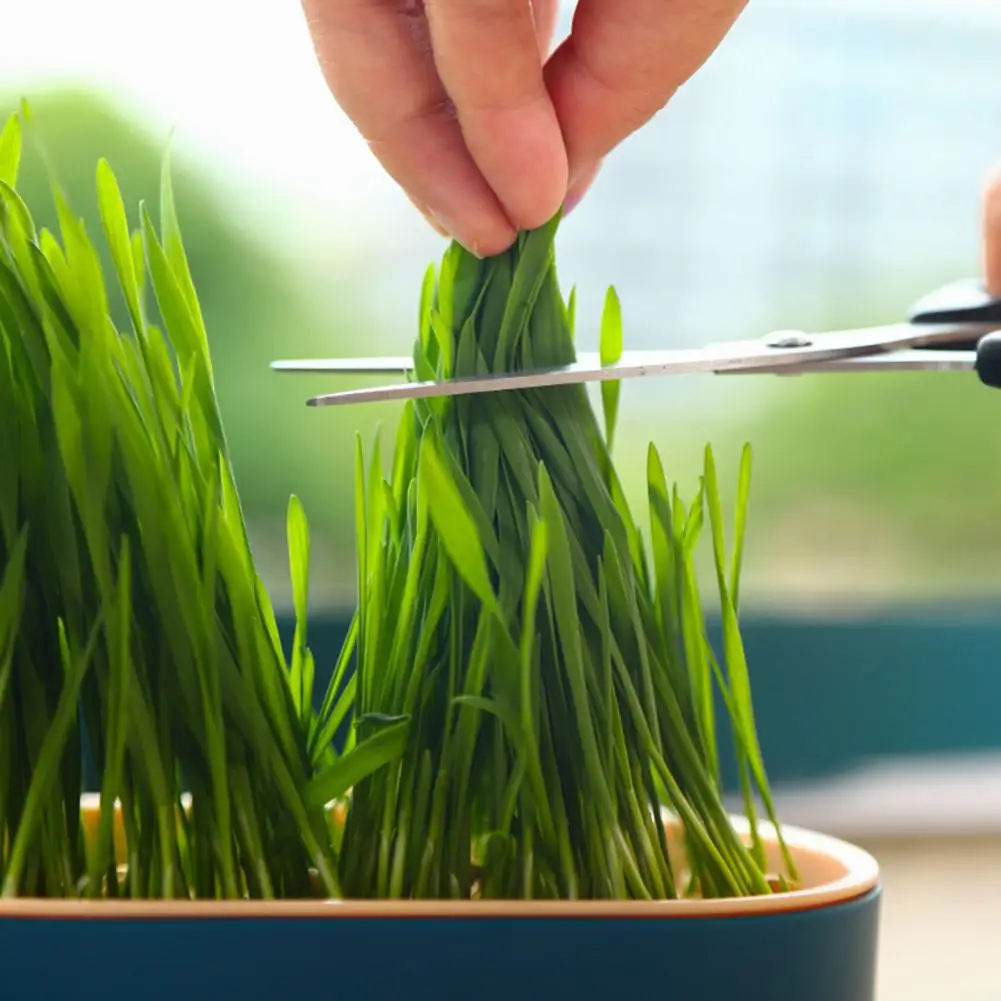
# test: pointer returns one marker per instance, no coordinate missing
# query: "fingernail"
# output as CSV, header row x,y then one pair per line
x,y
450,232
430,217
441,224
436,225
580,184
573,199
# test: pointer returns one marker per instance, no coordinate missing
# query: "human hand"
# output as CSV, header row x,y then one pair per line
x,y
459,103
992,233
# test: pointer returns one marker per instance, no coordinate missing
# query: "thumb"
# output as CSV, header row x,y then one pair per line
x,y
992,233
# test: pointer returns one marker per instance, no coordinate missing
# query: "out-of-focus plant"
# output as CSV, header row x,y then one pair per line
x,y
255,310
869,487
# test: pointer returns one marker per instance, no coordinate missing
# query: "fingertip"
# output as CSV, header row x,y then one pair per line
x,y
484,231
429,160
428,215
992,231
481,237
492,245
523,158
489,58
581,180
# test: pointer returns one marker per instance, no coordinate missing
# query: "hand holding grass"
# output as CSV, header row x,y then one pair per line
x,y
461,106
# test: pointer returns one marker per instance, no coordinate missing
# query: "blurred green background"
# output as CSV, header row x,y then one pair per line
x,y
867,488
255,307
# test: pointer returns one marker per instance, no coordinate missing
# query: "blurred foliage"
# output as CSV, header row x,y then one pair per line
x,y
864,485
868,489
881,487
902,470
255,310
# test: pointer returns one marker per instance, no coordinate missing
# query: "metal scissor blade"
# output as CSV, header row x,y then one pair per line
x,y
347,366
390,364
777,351
904,360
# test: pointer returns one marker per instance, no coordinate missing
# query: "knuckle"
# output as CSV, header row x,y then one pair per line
x,y
399,127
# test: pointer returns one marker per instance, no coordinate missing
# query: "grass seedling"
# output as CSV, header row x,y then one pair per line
x,y
552,664
133,624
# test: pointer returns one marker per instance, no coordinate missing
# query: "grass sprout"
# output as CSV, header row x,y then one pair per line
x,y
134,628
550,662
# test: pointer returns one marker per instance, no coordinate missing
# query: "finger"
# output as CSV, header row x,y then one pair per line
x,y
623,61
488,58
581,185
377,60
428,216
992,233
546,14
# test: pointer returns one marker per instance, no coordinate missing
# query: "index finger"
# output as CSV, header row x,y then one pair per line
x,y
488,57
377,59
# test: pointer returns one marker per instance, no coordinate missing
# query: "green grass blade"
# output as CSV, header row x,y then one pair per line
x,y
740,525
10,150
452,521
50,754
116,231
610,351
362,761
298,552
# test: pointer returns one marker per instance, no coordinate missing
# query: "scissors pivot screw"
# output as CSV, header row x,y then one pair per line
x,y
789,339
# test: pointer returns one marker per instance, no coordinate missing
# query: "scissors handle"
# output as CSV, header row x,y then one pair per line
x,y
961,302
988,363
964,302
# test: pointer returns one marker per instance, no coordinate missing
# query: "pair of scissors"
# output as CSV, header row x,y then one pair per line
x,y
956,328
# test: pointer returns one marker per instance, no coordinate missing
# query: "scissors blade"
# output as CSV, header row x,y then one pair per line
x,y
347,366
392,364
904,360
786,349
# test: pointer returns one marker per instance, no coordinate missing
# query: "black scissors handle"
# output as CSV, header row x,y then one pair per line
x,y
966,302
958,302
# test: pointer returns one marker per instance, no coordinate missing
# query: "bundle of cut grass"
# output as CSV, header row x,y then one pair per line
x,y
133,626
551,685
